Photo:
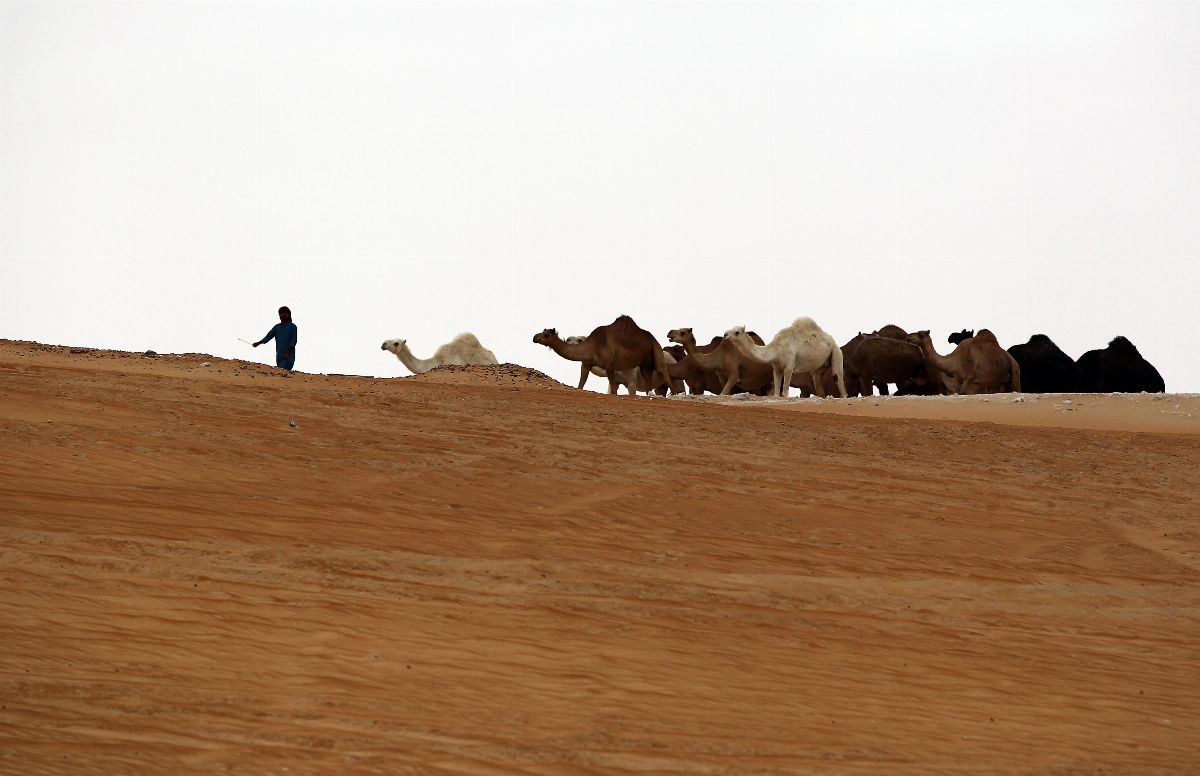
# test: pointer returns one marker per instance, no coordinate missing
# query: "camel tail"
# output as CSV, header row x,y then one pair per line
x,y
835,360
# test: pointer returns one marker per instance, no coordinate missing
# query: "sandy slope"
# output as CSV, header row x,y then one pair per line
x,y
1161,412
472,573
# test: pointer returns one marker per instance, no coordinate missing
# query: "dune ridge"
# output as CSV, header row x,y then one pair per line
x,y
480,575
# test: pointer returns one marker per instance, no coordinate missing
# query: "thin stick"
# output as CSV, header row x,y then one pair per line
x,y
248,342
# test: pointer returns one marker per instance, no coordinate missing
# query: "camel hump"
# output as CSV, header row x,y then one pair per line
x,y
623,326
1040,339
986,335
891,330
804,322
1121,343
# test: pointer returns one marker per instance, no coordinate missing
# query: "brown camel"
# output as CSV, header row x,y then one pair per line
x,y
694,376
698,378
620,346
635,378
924,387
977,365
730,368
877,361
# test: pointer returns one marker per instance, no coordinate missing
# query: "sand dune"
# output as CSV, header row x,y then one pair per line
x,y
481,571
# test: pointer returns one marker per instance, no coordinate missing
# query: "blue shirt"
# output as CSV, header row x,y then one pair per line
x,y
285,336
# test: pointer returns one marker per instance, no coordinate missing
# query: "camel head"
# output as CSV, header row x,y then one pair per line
x,y
959,336
545,337
682,336
1122,343
737,333
393,345
918,337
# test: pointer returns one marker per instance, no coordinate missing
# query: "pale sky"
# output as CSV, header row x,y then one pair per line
x,y
172,172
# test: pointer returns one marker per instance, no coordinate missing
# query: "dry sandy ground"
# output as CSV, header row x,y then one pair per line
x,y
480,572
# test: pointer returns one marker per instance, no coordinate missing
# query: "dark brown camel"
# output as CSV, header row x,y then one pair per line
x,y
1119,368
1045,368
958,337
877,361
618,347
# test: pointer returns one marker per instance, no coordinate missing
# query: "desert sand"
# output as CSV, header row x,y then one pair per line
x,y
480,571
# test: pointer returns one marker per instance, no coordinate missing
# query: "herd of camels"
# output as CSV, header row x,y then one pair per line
x,y
804,356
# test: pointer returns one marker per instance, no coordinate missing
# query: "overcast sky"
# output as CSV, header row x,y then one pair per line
x,y
172,172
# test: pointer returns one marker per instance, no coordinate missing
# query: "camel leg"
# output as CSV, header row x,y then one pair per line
x,y
730,381
785,385
818,380
585,369
612,382
865,387
633,381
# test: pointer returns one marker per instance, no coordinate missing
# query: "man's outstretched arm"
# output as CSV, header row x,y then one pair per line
x,y
269,336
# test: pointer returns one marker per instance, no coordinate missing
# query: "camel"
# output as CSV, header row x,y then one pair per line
x,y
804,380
801,347
958,337
726,362
460,351
632,380
1045,368
698,378
1119,368
978,365
618,347
877,361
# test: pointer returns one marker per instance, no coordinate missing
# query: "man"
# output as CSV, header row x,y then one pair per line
x,y
284,333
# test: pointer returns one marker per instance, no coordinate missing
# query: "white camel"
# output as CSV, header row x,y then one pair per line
x,y
802,347
460,351
632,379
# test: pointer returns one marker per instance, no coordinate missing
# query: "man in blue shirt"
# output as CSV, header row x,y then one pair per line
x,y
284,333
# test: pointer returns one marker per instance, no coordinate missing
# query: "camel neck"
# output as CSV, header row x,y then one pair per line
x,y
756,352
567,350
706,360
414,364
927,349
